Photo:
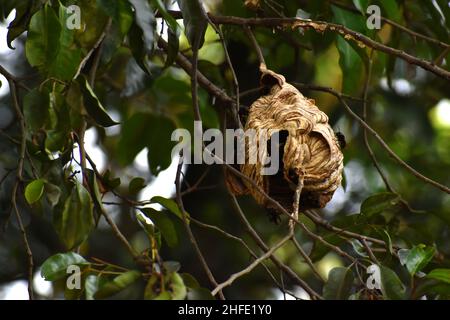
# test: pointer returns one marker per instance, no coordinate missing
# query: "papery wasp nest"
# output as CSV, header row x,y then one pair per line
x,y
308,148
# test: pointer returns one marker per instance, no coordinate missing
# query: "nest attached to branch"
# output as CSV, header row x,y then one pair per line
x,y
308,148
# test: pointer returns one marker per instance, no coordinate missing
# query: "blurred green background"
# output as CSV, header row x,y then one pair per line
x,y
407,106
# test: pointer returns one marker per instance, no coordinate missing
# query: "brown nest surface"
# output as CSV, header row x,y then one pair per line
x,y
308,148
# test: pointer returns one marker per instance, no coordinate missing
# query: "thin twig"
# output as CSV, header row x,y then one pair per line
x,y
319,238
197,183
25,241
186,65
413,33
307,259
80,139
16,80
241,241
96,45
189,230
108,219
255,45
364,117
281,209
288,271
19,176
314,87
384,144
237,120
119,234
322,26
339,231
370,252
252,266
440,58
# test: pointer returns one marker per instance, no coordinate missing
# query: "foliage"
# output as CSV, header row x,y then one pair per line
x,y
125,76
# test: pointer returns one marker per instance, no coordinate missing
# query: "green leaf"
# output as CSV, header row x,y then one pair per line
x,y
93,106
93,186
53,193
109,182
199,294
339,284
34,191
418,257
387,238
24,11
93,22
42,44
170,205
76,220
55,267
90,286
74,102
350,56
391,286
190,281
146,225
147,130
378,203
164,224
433,289
133,137
171,266
136,185
349,19
302,14
159,154
177,288
153,289
137,47
361,5
50,45
445,8
55,140
393,11
171,22
120,11
174,287
69,56
145,20
117,284
195,21
350,64
173,47
440,274
359,248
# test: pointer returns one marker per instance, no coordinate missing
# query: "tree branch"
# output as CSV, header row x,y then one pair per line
x,y
108,219
322,26
381,141
252,266
19,175
185,64
241,241
191,236
265,248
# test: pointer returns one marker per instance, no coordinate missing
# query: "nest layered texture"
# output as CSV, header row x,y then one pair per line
x,y
308,148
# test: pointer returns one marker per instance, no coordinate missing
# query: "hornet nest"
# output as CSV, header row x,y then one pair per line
x,y
308,148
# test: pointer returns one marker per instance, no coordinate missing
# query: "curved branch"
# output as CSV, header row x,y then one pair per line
x,y
191,236
382,143
252,266
322,26
19,179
